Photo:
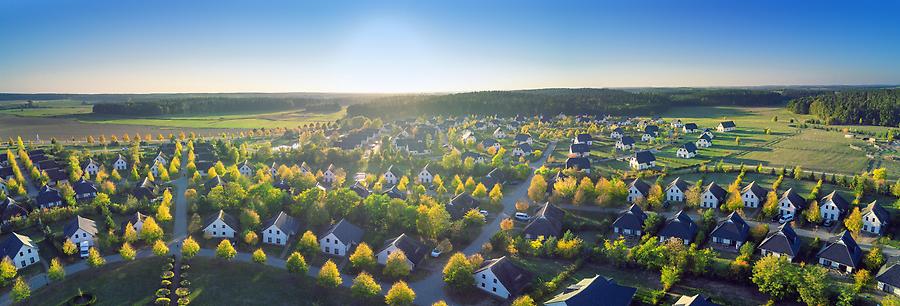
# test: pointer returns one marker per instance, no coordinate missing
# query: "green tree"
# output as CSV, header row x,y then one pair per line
x,y
669,276
774,276
308,244
225,250
458,272
854,222
94,259
56,271
874,259
524,300
400,295
20,290
189,248
537,191
432,221
362,258
127,252
329,277
365,287
297,264
861,279
69,247
150,231
130,235
812,213
813,284
259,256
160,248
396,267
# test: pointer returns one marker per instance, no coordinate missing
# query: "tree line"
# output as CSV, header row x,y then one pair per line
x,y
864,107
210,104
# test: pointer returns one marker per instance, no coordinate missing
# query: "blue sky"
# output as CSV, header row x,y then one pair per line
x,y
430,46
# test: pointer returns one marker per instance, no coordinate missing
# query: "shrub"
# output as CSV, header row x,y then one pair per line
x,y
184,301
163,292
163,301
168,274
182,292
165,283
185,283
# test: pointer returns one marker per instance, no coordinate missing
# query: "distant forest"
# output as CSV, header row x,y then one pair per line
x,y
869,107
212,105
567,101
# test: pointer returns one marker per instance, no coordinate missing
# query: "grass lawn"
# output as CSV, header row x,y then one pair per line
x,y
216,282
131,283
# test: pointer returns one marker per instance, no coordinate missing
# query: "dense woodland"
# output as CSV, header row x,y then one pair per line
x,y
871,107
211,105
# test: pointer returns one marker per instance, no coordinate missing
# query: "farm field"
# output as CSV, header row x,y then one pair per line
x,y
30,128
287,119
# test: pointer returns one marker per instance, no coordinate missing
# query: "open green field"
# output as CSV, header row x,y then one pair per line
x,y
132,283
287,119
45,108
216,282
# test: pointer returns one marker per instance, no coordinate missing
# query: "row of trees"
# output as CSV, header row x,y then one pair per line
x,y
870,107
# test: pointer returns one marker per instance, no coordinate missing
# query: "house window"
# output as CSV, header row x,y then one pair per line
x,y
29,251
483,276
482,285
495,281
32,260
214,233
494,289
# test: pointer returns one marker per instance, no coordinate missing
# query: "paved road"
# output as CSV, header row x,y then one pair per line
x,y
431,288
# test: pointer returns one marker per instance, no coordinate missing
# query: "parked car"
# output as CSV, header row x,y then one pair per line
x,y
828,223
785,219
436,253
522,216
85,249
483,213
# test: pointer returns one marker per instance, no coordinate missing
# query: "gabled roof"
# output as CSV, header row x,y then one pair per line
x,y
678,182
633,218
882,214
84,186
705,136
284,222
696,300
547,222
690,147
488,142
784,241
221,215
13,243
360,190
643,157
583,137
513,278
690,126
9,209
627,140
582,163
579,148
48,195
641,186
473,155
794,198
394,193
618,130
84,224
522,137
732,228
213,182
651,129
843,250
460,205
755,189
246,163
680,226
590,291
346,232
525,147
727,124
716,191
889,274
414,250
837,199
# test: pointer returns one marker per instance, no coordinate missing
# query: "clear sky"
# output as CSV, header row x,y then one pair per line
x,y
122,46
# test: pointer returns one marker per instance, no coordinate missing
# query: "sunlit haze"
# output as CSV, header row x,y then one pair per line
x,y
430,46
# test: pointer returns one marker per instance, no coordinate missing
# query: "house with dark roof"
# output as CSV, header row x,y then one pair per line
x,y
679,226
414,250
394,193
888,278
246,169
502,278
90,167
340,238
625,143
731,232
704,141
842,254
650,132
726,126
389,177
712,196
791,203
81,231
6,173
687,150
617,133
214,182
220,225
460,205
643,160
136,220
56,176
590,291
547,222
476,157
676,190
490,143
524,138
875,218
279,229
20,249
425,177
833,206
696,300
84,190
583,138
49,197
783,242
146,190
121,164
360,189
10,209
283,185
582,164
579,150
522,149
630,222
690,128
752,195
637,189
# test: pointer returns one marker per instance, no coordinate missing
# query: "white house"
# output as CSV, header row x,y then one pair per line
x,y
90,167
726,126
414,250
833,206
304,168
220,225
279,229
161,159
625,143
329,175
790,203
642,160
245,169
712,196
20,249
523,149
888,278
875,219
583,138
502,278
499,133
638,189
704,141
690,128
389,177
136,221
425,176
617,133
677,124
524,138
687,150
676,190
340,238
752,195
120,164
81,230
